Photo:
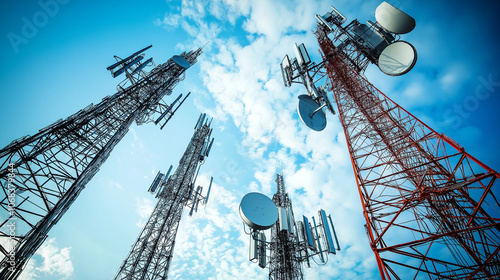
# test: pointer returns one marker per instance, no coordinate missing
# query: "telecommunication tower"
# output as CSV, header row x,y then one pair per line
x,y
152,253
42,175
431,208
292,242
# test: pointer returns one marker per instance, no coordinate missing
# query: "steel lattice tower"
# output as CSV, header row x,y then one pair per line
x,y
152,253
285,260
431,208
292,242
45,173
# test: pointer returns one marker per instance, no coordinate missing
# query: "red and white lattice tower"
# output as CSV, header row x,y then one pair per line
x,y
431,208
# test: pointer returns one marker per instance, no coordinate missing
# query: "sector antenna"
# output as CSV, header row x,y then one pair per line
x,y
431,209
311,105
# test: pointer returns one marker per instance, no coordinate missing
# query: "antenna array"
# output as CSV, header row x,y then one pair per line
x,y
376,42
292,242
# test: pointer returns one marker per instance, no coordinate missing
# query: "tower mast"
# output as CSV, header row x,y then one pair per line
x,y
415,183
152,253
42,175
284,261
431,208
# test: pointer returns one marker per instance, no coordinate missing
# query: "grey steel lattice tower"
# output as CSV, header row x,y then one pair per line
x,y
42,175
152,253
285,261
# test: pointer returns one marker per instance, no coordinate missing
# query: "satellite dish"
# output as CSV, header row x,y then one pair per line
x,y
393,19
397,59
310,113
181,61
258,211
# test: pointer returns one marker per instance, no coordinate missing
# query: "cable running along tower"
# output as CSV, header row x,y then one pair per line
x,y
42,175
431,208
292,243
152,253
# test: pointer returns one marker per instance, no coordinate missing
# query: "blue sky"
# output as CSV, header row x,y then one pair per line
x,y
60,67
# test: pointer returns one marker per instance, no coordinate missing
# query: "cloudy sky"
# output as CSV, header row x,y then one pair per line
x,y
54,56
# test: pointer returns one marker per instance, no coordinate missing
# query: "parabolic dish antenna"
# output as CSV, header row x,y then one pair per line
x,y
258,211
309,114
181,61
397,59
393,19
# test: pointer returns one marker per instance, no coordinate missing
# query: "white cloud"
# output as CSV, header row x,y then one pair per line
x,y
134,133
29,272
169,20
56,262
208,244
110,183
262,19
144,208
244,86
193,9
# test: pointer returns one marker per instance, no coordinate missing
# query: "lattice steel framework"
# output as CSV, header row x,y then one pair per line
x,y
43,174
152,253
431,208
285,259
